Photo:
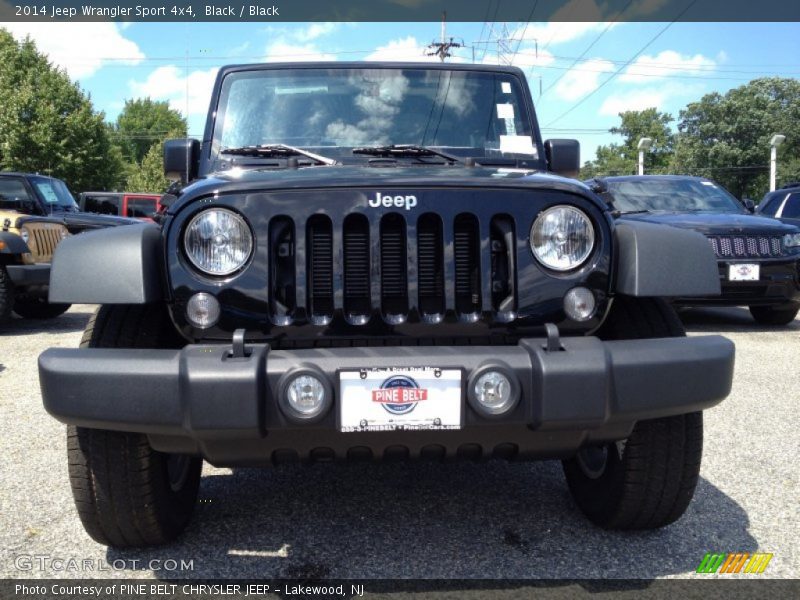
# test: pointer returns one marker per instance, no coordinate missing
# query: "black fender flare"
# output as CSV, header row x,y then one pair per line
x,y
660,260
12,243
118,265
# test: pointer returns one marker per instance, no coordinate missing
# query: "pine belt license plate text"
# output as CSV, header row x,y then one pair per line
x,y
389,399
743,272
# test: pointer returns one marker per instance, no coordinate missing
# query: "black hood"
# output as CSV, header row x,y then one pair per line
x,y
77,222
715,223
365,176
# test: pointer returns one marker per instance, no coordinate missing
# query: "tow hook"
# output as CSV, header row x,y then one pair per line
x,y
553,338
238,347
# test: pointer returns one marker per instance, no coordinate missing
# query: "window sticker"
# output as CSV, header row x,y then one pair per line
x,y
506,87
708,183
505,111
48,192
516,144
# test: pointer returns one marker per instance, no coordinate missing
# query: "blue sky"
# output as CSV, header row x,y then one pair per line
x,y
569,62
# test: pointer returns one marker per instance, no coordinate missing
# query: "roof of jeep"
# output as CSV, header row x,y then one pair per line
x,y
21,174
432,66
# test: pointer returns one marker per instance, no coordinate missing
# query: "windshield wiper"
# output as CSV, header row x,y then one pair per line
x,y
400,150
620,213
278,150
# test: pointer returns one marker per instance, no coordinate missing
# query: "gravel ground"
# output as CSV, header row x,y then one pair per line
x,y
490,520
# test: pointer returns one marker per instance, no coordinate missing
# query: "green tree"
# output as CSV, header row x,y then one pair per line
x,y
726,137
47,123
148,175
622,159
145,122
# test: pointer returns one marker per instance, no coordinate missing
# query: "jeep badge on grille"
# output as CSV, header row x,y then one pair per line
x,y
408,202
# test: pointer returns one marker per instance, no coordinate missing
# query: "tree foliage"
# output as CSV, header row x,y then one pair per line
x,y
622,159
726,137
145,122
47,123
148,175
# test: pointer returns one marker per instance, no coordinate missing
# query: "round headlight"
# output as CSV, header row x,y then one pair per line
x,y
218,241
562,238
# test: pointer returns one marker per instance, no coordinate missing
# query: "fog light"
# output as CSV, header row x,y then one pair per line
x,y
202,310
493,392
305,395
579,304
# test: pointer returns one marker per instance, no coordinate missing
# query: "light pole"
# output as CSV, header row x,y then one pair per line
x,y
774,142
644,146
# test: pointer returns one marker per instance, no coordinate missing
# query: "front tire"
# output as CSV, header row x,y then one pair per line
x,y
775,315
126,493
648,480
38,308
6,296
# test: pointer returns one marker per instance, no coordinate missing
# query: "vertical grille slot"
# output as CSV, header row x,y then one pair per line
x,y
319,245
466,248
355,239
282,299
394,265
503,249
430,265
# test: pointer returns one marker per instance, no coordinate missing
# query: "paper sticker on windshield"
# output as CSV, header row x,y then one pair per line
x,y
505,111
708,183
506,87
48,192
517,144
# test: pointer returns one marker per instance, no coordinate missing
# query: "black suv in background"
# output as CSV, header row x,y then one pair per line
x,y
758,257
783,204
40,195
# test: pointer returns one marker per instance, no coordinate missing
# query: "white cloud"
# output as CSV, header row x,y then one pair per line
x,y
666,63
188,94
547,34
583,78
314,31
282,51
651,97
80,48
402,49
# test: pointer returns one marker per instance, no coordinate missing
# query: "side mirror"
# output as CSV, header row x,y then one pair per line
x,y
749,204
563,157
181,158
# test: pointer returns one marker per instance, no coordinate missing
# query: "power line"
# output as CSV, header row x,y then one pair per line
x,y
525,29
589,47
618,71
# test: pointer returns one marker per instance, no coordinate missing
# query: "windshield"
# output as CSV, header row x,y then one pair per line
x,y
54,193
471,113
678,195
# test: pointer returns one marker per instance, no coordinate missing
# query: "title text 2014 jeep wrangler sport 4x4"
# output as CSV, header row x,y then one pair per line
x,y
370,261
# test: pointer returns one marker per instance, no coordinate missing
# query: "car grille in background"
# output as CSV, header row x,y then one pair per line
x,y
746,246
402,268
44,241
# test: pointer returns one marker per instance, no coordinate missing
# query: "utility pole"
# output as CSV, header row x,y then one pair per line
x,y
442,48
774,142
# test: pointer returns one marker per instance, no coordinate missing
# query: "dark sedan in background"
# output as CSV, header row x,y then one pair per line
x,y
783,204
758,257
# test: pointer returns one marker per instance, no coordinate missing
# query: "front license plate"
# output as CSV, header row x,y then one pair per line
x,y
390,399
743,272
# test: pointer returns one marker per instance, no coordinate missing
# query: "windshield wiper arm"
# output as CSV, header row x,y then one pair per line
x,y
405,150
273,150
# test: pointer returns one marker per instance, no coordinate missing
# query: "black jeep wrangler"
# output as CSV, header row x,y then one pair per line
x,y
371,261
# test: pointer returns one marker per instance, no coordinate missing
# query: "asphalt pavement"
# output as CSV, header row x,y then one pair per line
x,y
463,520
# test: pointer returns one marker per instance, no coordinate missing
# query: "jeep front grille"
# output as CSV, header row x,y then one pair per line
x,y
746,246
405,269
42,241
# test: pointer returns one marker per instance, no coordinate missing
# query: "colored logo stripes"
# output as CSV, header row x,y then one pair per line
x,y
736,562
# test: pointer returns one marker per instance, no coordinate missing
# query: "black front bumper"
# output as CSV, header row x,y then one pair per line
x,y
202,400
29,275
779,283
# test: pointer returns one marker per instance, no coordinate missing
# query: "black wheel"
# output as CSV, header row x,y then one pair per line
x,y
38,308
6,295
775,315
126,493
647,480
